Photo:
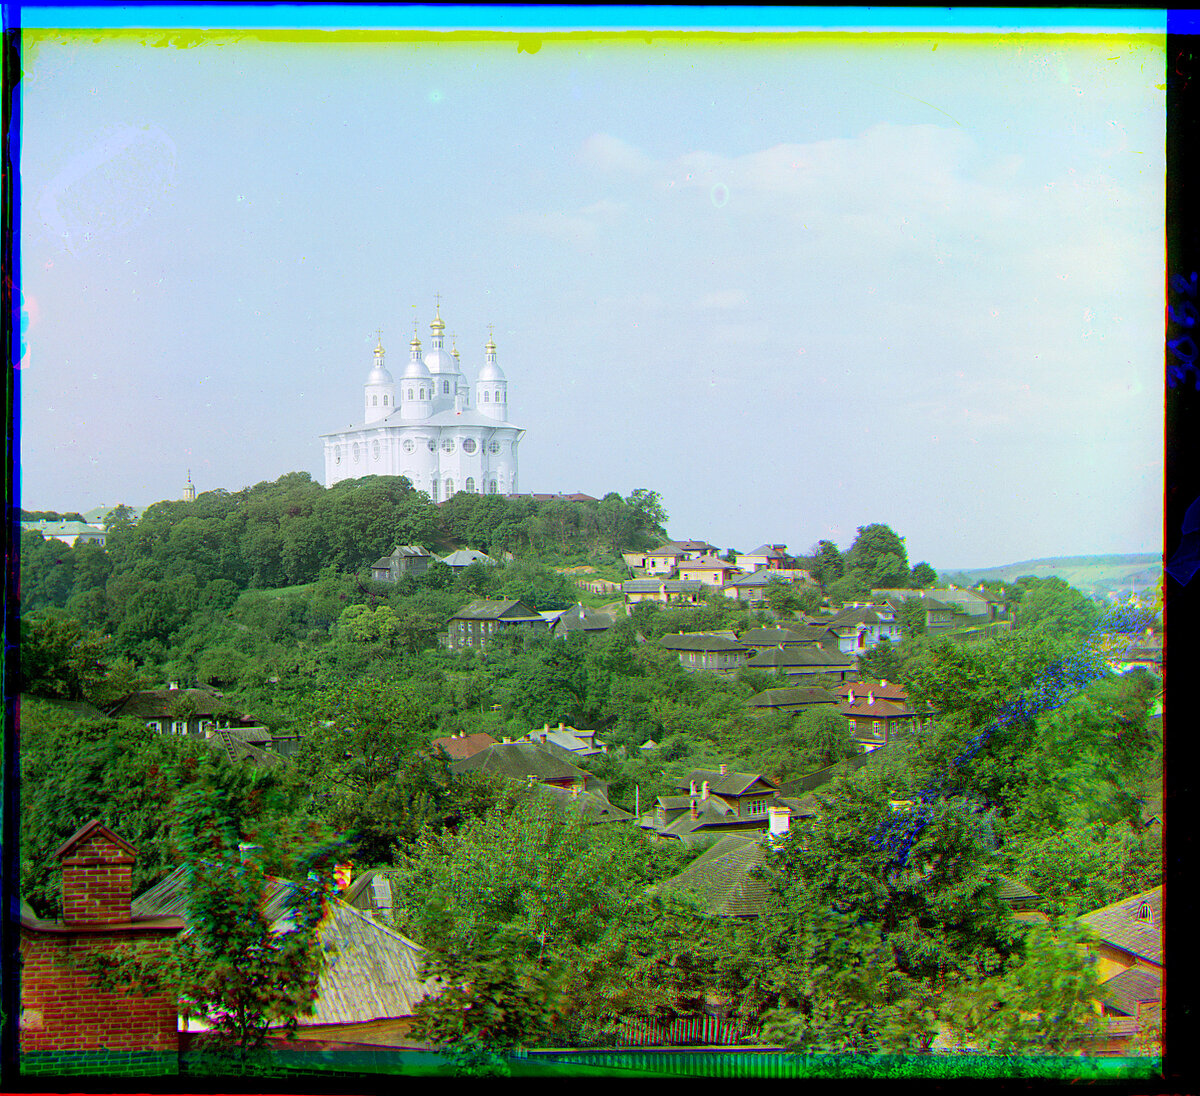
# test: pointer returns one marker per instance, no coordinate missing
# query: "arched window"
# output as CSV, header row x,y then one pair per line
x,y
470,485
433,490
485,396
422,393
492,487
445,388
410,393
374,401
449,488
385,401
498,391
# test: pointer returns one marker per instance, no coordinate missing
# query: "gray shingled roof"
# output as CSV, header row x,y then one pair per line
x,y
579,619
157,703
723,877
519,759
1118,924
771,637
700,641
775,698
464,557
799,656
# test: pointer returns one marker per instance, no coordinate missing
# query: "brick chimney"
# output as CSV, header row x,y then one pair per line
x,y
724,770
694,812
704,790
97,876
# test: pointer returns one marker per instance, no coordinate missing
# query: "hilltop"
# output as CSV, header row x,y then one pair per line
x,y
1093,575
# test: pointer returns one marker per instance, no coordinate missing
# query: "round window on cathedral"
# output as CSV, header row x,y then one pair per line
x,y
468,445
356,452
375,449
448,445
494,447
409,446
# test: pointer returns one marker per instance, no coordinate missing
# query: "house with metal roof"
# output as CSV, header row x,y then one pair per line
x,y
753,587
568,741
800,663
405,559
769,557
578,619
699,651
179,711
464,557
861,627
476,623
875,722
707,569
674,592
795,699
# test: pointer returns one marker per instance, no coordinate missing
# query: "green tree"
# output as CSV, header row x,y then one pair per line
x,y
923,576
234,968
1058,609
828,565
1041,1003
60,657
879,556
912,617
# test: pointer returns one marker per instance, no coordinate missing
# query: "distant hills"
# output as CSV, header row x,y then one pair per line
x,y
1096,576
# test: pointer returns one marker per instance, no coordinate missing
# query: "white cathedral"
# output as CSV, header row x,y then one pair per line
x,y
424,427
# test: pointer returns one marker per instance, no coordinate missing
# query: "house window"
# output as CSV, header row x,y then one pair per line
x,y
854,724
1144,913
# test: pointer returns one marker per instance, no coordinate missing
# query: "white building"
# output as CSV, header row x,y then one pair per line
x,y
430,427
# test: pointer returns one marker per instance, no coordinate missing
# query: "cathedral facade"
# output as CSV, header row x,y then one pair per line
x,y
429,426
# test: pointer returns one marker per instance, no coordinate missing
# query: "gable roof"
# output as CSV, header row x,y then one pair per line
x,y
720,783
881,690
881,709
593,805
484,609
1119,926
707,563
464,557
723,877
157,703
94,828
768,551
862,614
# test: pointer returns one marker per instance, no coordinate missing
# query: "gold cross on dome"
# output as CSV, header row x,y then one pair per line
x,y
437,300
491,331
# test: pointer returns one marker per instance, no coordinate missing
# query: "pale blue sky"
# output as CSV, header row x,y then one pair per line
x,y
795,288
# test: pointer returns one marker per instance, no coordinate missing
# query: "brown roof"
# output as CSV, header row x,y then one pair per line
x,y
723,877
1120,926
881,709
1131,988
464,746
87,830
883,690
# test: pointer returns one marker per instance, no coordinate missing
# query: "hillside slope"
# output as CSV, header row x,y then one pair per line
x,y
1093,575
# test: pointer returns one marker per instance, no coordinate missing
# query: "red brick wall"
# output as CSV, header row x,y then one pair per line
x,y
62,1010
97,881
